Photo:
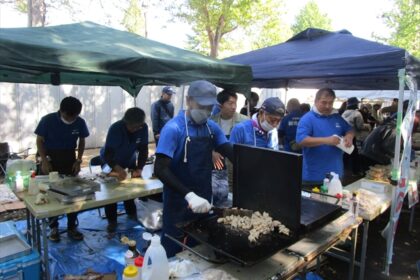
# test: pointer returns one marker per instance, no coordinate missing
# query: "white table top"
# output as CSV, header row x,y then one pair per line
x,y
110,193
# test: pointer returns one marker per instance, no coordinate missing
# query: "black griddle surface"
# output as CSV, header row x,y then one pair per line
x,y
315,213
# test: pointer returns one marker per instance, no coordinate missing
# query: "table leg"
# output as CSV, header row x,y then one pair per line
x,y
45,249
410,225
318,264
352,252
28,227
364,247
33,229
38,235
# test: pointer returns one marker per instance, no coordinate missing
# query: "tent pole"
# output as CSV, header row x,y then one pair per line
x,y
135,101
390,228
182,98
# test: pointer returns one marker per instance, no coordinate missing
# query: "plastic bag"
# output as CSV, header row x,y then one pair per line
x,y
149,213
220,187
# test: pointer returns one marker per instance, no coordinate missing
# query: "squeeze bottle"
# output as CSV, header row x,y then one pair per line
x,y
130,273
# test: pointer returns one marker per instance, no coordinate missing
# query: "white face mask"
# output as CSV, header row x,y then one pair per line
x,y
200,116
67,122
266,126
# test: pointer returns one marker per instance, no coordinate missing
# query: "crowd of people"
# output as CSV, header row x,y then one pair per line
x,y
194,148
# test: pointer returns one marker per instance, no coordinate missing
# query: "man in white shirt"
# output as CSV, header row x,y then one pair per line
x,y
227,118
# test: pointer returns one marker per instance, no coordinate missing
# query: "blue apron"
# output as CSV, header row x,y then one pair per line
x,y
194,171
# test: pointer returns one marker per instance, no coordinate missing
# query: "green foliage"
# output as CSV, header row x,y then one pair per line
x,y
311,16
21,6
404,21
133,19
216,22
268,28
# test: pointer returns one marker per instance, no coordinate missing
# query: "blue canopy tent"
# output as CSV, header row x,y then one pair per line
x,y
317,58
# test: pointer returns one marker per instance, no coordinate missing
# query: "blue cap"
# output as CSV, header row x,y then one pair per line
x,y
274,106
168,90
203,92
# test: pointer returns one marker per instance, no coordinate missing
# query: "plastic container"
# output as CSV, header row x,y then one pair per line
x,y
155,265
130,273
334,187
22,267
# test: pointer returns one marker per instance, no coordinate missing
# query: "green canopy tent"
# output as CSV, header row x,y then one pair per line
x,y
90,54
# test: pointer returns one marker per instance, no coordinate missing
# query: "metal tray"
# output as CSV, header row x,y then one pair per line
x,y
12,247
74,186
66,199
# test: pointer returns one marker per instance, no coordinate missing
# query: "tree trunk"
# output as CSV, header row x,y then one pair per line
x,y
37,11
214,48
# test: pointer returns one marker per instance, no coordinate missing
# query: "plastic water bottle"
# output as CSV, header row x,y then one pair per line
x,y
130,273
155,266
335,188
354,206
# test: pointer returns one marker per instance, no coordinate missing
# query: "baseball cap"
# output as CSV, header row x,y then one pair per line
x,y
274,106
203,92
168,90
352,101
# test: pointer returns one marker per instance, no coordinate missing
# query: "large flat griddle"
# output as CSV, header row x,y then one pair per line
x,y
232,244
269,180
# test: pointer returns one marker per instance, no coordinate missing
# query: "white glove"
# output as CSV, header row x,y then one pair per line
x,y
197,204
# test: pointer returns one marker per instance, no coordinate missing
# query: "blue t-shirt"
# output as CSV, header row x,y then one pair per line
x,y
245,133
288,127
173,136
58,135
124,144
317,161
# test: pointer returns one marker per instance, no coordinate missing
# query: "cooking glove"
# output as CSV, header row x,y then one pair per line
x,y
197,203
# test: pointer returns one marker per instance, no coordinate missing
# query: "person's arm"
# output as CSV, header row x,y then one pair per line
x,y
46,167
117,171
80,151
226,150
168,178
155,118
143,150
81,148
318,141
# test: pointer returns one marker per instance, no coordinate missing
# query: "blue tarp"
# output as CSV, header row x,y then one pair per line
x,y
317,58
99,251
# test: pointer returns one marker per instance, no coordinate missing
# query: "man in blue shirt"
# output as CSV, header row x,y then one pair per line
x,y
162,111
56,141
125,137
184,162
261,130
318,132
288,126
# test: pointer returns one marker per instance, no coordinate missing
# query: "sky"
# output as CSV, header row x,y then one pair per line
x,y
360,17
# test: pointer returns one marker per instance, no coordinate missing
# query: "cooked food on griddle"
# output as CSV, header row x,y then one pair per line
x,y
257,225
